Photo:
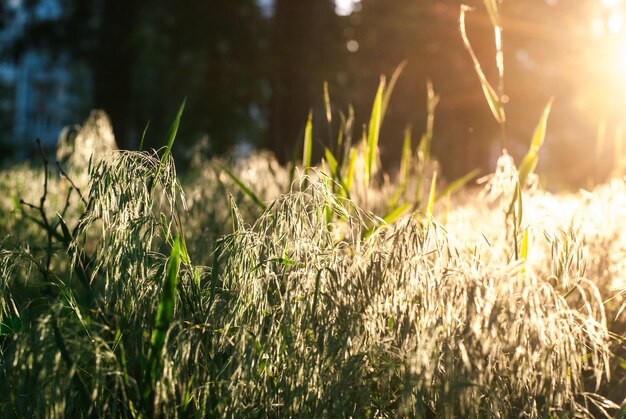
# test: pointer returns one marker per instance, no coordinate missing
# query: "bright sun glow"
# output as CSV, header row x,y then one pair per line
x,y
345,7
605,58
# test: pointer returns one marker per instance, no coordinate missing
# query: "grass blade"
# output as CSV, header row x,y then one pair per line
x,y
374,131
524,250
164,316
329,115
332,162
308,142
432,100
396,213
431,196
407,157
350,169
171,135
67,235
245,189
532,157
405,166
388,219
392,85
495,104
143,136
458,184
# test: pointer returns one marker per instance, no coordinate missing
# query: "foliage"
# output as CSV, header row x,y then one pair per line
x,y
280,312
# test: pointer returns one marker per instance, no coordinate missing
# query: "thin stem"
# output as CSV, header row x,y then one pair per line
x,y
65,175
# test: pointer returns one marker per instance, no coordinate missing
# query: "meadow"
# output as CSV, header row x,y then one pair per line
x,y
243,288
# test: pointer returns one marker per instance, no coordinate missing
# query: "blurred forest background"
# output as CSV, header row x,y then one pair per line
x,y
252,69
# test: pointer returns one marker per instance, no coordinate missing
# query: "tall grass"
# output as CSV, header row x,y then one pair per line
x,y
295,316
249,289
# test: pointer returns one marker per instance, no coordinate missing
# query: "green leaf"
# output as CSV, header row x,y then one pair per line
x,y
389,89
374,130
164,316
540,131
183,251
143,136
396,213
171,135
279,260
351,166
524,251
332,162
519,214
431,196
388,219
432,100
405,167
247,191
67,235
308,142
407,157
329,115
530,160
458,184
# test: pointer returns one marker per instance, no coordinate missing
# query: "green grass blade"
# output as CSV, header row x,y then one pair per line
x,y
531,159
164,316
396,213
524,250
143,136
432,100
431,196
392,85
407,157
67,235
350,169
405,167
332,162
519,214
327,108
528,165
247,191
374,131
457,184
171,135
388,219
540,131
308,142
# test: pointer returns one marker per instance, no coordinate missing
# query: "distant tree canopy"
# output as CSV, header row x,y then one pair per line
x,y
146,56
252,76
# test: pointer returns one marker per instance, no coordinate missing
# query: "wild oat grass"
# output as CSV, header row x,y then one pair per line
x,y
247,289
297,312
